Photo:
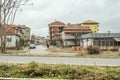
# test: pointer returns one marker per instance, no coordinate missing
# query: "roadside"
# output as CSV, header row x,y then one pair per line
x,y
53,51
57,71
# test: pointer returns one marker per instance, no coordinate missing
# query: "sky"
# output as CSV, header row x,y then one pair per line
x,y
43,12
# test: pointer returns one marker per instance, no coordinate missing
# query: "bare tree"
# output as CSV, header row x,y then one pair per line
x,y
8,9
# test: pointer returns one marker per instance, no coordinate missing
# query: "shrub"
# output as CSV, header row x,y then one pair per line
x,y
60,72
93,50
33,65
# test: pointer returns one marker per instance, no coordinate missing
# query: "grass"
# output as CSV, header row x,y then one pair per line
x,y
15,51
35,70
104,54
82,53
67,52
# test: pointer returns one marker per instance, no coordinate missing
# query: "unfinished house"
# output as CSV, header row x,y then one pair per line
x,y
71,34
55,30
106,41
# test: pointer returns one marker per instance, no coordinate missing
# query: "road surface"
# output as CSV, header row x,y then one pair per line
x,y
60,60
40,49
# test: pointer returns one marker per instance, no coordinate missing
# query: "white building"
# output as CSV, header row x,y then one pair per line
x,y
105,41
12,39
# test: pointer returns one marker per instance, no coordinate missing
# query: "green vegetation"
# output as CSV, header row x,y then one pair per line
x,y
35,70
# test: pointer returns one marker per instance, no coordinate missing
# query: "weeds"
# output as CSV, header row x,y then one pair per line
x,y
34,70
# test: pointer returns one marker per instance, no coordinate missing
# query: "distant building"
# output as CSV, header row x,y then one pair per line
x,y
94,26
72,33
105,41
33,39
23,30
69,35
24,33
55,30
41,40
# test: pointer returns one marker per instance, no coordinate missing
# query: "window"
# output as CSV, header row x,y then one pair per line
x,y
60,29
9,39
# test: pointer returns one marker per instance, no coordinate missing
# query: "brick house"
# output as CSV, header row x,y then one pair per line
x,y
55,32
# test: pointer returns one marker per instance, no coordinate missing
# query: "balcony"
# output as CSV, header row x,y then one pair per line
x,y
70,37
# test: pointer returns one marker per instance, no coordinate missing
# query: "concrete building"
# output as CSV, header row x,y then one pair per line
x,y
72,33
94,26
23,31
105,41
69,35
55,30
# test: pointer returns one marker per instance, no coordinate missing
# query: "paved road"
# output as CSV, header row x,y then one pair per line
x,y
40,49
61,60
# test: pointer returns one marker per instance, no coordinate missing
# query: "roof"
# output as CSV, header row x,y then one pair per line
x,y
101,35
10,30
76,28
20,26
57,23
90,22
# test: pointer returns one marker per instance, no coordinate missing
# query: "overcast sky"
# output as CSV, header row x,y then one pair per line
x,y
43,12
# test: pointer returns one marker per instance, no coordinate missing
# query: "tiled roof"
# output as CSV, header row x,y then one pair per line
x,y
57,23
76,28
20,26
90,21
10,30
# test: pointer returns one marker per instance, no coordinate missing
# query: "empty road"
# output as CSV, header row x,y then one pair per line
x,y
60,60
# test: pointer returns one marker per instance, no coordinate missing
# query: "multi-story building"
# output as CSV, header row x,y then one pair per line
x,y
24,33
55,32
94,26
71,34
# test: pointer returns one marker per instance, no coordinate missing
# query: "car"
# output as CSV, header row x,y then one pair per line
x,y
32,46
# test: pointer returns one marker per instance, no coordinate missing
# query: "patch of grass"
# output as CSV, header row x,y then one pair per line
x,y
35,70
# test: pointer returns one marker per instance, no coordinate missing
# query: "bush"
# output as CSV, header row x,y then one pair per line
x,y
33,65
93,50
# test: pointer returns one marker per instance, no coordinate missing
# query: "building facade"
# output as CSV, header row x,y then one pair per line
x,y
71,34
94,26
55,32
105,41
12,39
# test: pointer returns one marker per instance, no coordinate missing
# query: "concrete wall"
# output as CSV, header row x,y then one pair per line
x,y
86,42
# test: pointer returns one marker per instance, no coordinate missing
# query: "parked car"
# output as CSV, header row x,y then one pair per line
x,y
32,46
